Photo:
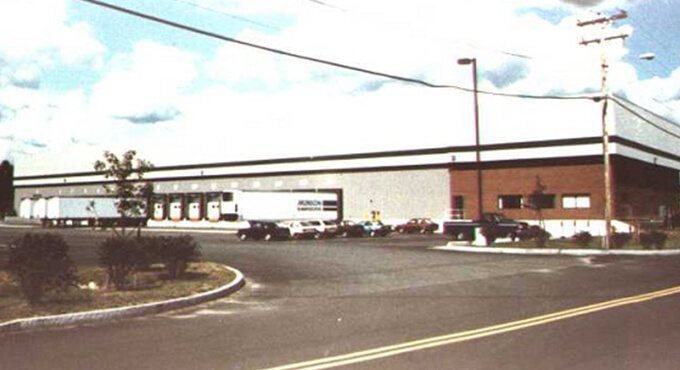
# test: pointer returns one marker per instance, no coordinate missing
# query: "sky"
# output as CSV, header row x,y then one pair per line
x,y
77,79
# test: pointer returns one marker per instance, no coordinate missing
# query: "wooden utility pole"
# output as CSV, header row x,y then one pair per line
x,y
605,22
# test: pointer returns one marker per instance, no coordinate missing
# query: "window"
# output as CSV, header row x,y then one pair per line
x,y
576,201
542,201
457,207
509,201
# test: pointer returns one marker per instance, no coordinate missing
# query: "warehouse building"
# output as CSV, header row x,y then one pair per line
x,y
542,159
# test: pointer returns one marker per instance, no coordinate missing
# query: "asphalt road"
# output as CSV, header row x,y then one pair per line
x,y
312,300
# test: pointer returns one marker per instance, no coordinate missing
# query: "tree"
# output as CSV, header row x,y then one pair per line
x,y
6,189
538,200
128,185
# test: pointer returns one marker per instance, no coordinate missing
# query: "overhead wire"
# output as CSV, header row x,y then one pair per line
x,y
230,15
415,81
619,102
410,29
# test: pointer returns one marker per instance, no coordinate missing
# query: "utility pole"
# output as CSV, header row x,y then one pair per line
x,y
605,22
478,159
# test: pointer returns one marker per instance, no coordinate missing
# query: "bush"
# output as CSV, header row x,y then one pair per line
x,y
536,233
618,240
40,263
121,256
582,238
150,252
653,238
177,252
542,237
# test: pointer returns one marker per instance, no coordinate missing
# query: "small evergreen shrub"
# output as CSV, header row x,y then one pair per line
x,y
541,238
582,239
619,240
121,256
40,263
534,232
654,239
177,252
150,253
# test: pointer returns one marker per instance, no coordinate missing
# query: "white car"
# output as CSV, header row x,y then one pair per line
x,y
301,229
325,228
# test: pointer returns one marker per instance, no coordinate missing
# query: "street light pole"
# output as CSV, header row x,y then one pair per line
x,y
480,200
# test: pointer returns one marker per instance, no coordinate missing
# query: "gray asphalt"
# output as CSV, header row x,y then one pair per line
x,y
309,299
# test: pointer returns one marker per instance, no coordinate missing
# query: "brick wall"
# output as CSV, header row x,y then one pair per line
x,y
639,189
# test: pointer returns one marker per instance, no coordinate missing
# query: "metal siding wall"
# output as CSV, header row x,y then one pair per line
x,y
398,195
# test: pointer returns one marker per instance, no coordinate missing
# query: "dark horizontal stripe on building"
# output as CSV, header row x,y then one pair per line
x,y
386,154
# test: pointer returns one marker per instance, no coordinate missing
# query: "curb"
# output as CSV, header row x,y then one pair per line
x,y
554,252
124,312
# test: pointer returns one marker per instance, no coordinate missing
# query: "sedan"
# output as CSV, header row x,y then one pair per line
x,y
263,230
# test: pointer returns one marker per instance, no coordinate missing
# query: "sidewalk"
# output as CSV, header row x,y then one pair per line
x,y
463,247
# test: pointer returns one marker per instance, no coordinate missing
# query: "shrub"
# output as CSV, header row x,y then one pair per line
x,y
177,252
536,233
653,238
120,256
582,238
618,240
150,252
40,263
542,237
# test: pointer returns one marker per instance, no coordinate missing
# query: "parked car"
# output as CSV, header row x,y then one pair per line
x,y
495,224
263,230
417,225
349,228
324,228
301,229
375,228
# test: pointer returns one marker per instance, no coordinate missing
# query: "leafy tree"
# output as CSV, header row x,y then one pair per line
x,y
6,189
537,201
128,185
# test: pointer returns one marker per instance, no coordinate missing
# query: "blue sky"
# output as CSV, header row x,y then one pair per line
x,y
77,79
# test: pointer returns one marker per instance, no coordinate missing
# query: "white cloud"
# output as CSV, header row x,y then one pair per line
x,y
233,102
146,82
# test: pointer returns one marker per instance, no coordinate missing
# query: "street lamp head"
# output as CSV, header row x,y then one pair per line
x,y
466,61
647,56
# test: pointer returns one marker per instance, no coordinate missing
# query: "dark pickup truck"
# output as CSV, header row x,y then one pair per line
x,y
494,225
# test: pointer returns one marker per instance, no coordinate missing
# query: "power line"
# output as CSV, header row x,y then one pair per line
x,y
232,16
318,60
410,29
620,103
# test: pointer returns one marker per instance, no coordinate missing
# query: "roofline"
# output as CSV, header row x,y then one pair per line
x,y
371,155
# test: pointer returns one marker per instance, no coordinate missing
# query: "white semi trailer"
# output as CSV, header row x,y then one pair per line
x,y
215,209
239,205
74,211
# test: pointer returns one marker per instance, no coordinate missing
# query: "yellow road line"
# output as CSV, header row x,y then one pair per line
x,y
387,351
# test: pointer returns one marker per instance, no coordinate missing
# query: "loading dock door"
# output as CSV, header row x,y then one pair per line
x,y
213,202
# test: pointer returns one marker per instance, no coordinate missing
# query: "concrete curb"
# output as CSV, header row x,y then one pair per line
x,y
124,312
452,247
